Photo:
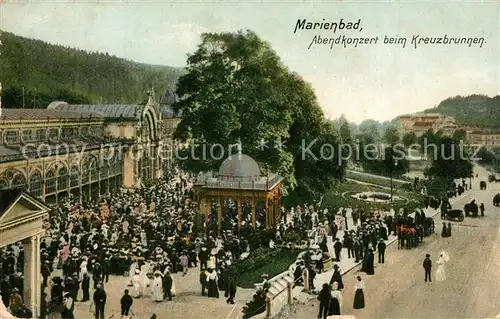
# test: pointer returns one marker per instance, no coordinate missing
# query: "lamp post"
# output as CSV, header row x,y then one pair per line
x,y
395,164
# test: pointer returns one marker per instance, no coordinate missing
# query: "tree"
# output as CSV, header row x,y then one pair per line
x,y
460,135
345,130
391,135
369,129
449,161
409,139
237,89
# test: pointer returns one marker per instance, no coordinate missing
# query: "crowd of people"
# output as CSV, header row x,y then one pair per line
x,y
149,234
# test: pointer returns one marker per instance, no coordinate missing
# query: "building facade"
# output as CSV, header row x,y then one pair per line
x,y
80,150
420,123
480,136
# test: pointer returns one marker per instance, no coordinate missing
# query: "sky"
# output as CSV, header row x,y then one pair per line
x,y
372,81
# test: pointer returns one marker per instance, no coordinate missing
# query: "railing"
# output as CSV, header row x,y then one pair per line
x,y
280,293
265,184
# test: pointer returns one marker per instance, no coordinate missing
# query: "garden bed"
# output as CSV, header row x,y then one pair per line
x,y
340,196
268,261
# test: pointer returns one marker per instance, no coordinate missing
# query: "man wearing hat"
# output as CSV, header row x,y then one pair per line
x,y
99,301
427,266
337,277
126,302
337,247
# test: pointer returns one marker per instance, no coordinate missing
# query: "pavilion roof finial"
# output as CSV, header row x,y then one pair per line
x,y
239,147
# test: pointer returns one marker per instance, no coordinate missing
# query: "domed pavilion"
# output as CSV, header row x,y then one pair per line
x,y
240,178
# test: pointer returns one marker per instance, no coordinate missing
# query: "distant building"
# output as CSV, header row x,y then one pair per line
x,y
487,137
420,123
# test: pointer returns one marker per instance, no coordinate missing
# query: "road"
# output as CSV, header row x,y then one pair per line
x,y
471,290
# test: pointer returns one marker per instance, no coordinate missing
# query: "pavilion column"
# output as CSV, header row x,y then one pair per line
x,y
219,215
267,212
271,214
276,216
254,217
32,273
239,203
43,191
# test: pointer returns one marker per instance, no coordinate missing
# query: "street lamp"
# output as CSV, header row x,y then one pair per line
x,y
392,170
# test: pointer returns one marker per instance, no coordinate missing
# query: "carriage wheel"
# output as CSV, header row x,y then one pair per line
x,y
461,218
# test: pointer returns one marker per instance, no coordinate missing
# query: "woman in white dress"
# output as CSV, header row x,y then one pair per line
x,y
156,287
144,278
440,272
131,273
136,283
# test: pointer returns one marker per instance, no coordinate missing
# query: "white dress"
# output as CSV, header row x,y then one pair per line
x,y
131,272
157,289
440,273
136,290
144,280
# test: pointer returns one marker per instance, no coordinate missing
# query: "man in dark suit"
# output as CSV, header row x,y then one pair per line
x,y
381,251
337,247
349,244
427,266
334,229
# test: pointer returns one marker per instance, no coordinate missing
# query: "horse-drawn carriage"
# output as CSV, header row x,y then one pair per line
x,y
471,209
482,185
455,214
496,200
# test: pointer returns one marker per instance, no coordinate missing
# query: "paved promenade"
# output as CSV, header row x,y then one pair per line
x,y
398,290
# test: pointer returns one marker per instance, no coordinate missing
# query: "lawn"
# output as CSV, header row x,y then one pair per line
x,y
340,196
376,180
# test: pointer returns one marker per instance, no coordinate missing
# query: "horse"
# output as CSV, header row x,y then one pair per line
x,y
496,200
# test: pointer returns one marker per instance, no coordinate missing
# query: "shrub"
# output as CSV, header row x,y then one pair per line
x,y
257,304
292,236
274,261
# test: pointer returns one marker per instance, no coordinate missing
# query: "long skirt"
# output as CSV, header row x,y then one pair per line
x,y
359,299
334,307
213,290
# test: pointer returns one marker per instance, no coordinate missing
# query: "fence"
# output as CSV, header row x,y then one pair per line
x,y
280,293
281,290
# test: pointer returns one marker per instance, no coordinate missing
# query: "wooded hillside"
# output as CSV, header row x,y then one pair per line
x,y
53,72
472,110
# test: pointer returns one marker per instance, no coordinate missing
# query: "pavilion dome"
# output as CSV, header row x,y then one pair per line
x,y
239,166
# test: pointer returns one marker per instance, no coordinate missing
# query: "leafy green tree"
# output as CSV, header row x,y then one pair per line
x,y
392,160
391,135
237,89
449,161
409,139
460,135
370,130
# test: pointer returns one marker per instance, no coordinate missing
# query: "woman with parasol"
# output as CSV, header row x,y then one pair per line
x,y
440,272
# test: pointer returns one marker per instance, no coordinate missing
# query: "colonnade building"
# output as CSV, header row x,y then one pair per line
x,y
82,150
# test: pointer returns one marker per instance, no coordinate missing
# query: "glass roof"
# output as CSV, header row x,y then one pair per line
x,y
105,110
